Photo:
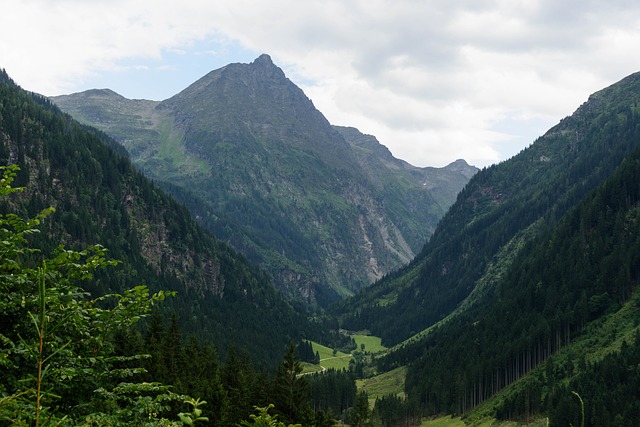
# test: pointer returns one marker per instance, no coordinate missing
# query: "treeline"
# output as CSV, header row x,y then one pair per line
x,y
392,411
233,386
304,352
333,391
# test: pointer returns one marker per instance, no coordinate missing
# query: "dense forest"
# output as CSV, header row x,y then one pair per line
x,y
586,267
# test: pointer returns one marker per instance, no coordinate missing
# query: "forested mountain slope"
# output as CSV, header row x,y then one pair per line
x,y
100,198
258,165
536,253
500,209
561,292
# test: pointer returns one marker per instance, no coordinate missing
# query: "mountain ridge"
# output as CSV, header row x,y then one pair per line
x,y
244,138
526,293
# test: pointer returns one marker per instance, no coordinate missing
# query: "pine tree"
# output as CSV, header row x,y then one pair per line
x,y
291,390
360,414
238,383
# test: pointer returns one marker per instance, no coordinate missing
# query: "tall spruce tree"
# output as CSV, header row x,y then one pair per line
x,y
360,414
291,391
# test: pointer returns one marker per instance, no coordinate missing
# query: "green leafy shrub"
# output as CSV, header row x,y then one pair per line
x,y
58,364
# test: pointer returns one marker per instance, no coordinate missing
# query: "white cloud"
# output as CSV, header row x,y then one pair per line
x,y
434,81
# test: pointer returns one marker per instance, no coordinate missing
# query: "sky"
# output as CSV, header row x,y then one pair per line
x,y
433,80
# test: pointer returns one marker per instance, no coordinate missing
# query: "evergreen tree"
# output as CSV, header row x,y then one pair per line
x,y
360,414
291,390
173,352
238,384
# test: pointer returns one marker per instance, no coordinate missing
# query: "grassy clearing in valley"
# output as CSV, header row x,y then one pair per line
x,y
310,368
542,422
371,344
391,382
328,360
341,360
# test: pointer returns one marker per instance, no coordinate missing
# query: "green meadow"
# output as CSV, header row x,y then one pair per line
x,y
444,422
341,360
391,382
449,421
371,344
327,359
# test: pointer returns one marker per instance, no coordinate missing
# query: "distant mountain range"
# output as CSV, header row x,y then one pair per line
x,y
325,210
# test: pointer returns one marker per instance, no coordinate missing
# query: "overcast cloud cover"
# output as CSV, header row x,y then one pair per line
x,y
433,80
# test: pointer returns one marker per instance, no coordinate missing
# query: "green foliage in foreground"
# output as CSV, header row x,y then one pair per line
x,y
58,364
264,419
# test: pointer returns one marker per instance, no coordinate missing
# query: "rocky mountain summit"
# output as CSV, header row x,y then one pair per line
x,y
325,210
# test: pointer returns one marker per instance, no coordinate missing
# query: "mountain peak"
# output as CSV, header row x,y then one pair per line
x,y
263,60
262,67
104,92
462,167
244,138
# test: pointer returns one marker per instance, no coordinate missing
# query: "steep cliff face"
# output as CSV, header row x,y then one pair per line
x,y
404,187
324,210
